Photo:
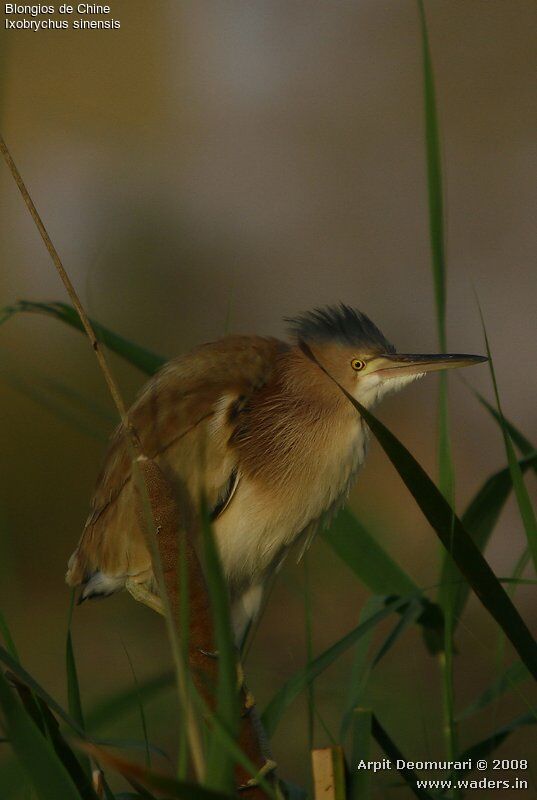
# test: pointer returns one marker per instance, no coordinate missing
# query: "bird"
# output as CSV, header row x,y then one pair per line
x,y
262,428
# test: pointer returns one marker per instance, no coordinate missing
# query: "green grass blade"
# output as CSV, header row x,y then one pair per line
x,y
362,553
74,700
141,710
31,704
133,744
25,677
451,533
229,742
139,356
487,746
515,674
184,631
220,765
454,537
308,629
434,182
387,744
480,518
5,633
409,615
291,791
55,407
80,776
126,700
518,438
298,682
361,748
525,507
154,781
361,668
78,400
35,754
445,461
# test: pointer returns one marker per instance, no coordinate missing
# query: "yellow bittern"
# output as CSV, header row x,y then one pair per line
x,y
264,433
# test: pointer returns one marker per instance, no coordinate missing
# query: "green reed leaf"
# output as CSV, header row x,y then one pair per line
x,y
301,679
360,779
139,356
387,744
34,752
363,554
515,674
481,516
220,763
487,746
525,507
123,702
451,533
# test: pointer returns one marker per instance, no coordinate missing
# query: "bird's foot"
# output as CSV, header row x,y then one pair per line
x,y
268,767
209,653
249,699
141,593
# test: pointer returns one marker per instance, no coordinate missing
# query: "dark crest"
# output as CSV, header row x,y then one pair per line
x,y
340,323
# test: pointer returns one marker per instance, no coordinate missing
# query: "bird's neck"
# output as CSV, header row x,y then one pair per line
x,y
308,389
299,425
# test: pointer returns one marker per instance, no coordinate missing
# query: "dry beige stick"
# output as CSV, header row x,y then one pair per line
x,y
114,391
133,442
328,773
98,783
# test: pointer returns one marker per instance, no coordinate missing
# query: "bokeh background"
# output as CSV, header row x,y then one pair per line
x,y
218,166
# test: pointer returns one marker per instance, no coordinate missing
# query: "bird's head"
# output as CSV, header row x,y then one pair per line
x,y
359,357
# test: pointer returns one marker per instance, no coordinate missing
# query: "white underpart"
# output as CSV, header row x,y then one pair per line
x,y
101,584
371,389
262,521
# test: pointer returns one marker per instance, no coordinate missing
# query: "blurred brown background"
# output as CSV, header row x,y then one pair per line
x,y
229,163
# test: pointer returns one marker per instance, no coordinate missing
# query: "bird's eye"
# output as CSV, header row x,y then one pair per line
x,y
357,364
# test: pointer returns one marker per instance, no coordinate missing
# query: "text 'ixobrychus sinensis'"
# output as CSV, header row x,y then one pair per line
x,y
263,432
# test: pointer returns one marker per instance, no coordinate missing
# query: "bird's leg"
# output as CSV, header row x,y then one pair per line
x,y
268,767
244,611
141,593
249,699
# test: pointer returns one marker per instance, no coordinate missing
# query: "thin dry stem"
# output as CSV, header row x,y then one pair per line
x,y
159,512
101,358
133,443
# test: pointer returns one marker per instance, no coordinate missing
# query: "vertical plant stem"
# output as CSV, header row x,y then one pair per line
x,y
445,463
328,773
361,748
101,358
309,649
518,570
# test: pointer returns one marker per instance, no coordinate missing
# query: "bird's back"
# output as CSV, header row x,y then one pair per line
x,y
184,419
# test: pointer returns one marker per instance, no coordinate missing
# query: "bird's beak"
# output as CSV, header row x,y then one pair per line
x,y
392,365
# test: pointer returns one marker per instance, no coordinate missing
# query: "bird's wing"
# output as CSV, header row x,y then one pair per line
x,y
184,418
